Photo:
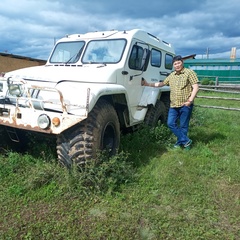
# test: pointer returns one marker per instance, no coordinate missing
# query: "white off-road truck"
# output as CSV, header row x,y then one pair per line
x,y
89,91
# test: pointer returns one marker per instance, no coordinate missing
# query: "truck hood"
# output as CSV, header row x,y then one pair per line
x,y
52,87
101,73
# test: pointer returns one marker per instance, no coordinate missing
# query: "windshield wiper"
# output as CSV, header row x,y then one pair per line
x,y
75,57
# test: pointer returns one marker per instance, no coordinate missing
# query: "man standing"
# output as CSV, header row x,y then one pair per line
x,y
183,84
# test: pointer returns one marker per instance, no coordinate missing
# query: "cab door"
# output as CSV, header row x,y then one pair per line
x,y
135,67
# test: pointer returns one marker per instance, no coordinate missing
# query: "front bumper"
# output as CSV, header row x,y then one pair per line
x,y
23,111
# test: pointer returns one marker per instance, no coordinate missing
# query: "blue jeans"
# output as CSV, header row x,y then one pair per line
x,y
178,122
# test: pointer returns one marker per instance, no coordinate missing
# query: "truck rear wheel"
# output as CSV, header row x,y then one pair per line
x,y
100,131
165,98
156,114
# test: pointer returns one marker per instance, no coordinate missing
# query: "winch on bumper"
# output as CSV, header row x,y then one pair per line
x,y
29,107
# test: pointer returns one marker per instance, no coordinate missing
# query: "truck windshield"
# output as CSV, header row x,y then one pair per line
x,y
104,51
67,52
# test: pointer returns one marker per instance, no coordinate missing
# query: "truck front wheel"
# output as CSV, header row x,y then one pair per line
x,y
100,131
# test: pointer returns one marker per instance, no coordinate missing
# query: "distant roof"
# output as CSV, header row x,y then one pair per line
x,y
21,57
189,57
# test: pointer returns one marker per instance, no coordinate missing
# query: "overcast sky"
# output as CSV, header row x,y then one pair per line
x,y
29,27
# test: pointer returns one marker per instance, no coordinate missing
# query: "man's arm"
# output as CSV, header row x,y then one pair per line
x,y
156,84
193,95
194,92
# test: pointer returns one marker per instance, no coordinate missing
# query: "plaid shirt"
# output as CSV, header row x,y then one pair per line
x,y
181,86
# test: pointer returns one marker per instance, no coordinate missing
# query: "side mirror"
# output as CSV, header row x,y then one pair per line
x,y
145,59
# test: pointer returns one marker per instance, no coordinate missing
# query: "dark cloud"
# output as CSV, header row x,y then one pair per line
x,y
29,28
138,9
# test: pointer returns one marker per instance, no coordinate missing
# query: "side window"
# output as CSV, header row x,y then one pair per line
x,y
156,57
168,61
136,57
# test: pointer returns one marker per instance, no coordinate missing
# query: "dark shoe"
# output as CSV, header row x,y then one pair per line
x,y
177,146
188,143
187,146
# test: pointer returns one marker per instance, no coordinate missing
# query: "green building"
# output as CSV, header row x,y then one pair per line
x,y
221,70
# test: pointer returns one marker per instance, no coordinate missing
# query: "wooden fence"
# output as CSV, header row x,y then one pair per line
x,y
221,89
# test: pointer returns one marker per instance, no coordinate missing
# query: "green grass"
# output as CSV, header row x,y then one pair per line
x,y
147,191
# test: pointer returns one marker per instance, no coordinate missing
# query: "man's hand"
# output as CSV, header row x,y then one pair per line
x,y
155,84
144,82
187,103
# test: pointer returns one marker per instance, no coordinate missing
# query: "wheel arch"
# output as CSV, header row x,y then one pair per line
x,y
119,102
163,96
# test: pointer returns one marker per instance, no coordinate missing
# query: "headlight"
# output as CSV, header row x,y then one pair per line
x,y
44,121
16,90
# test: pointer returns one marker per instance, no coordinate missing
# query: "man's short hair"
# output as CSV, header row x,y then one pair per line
x,y
177,58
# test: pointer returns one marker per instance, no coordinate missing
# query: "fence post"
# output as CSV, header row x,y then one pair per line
x,y
216,82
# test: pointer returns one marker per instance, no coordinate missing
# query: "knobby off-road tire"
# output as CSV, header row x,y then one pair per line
x,y
100,131
156,114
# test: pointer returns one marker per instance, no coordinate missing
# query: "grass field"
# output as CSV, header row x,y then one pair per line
x,y
147,191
